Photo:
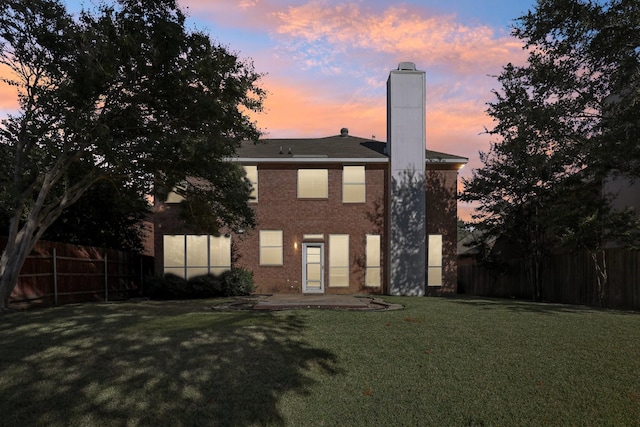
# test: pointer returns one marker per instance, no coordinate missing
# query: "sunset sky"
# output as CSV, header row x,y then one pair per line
x,y
326,62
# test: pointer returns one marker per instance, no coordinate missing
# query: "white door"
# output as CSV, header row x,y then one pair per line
x,y
313,267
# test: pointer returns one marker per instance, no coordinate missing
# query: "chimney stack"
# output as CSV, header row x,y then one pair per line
x,y
406,145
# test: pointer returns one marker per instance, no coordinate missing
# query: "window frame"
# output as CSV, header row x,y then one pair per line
x,y
251,171
198,265
373,264
263,247
303,187
359,183
434,260
338,261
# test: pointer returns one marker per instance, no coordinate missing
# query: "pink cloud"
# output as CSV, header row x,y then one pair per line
x,y
400,32
249,14
369,33
300,110
8,94
296,109
8,99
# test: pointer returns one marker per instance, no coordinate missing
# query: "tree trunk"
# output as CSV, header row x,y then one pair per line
x,y
11,263
533,277
602,275
22,239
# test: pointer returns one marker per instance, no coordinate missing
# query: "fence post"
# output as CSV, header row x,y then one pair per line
x,y
106,278
55,277
141,277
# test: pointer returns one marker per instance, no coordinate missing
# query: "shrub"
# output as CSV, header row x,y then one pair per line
x,y
238,282
168,287
207,286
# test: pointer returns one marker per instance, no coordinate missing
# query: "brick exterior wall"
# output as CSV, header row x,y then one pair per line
x,y
442,213
278,208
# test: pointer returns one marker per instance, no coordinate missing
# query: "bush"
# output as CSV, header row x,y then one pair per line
x,y
168,287
207,286
236,282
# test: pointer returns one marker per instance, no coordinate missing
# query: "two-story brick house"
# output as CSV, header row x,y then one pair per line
x,y
337,214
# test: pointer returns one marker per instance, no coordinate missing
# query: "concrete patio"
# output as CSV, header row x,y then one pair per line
x,y
302,301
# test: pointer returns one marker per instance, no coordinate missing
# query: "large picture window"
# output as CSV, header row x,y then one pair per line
x,y
252,176
372,275
271,247
313,183
339,260
188,256
434,269
353,184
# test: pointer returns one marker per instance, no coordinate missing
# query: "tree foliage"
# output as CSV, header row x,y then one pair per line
x,y
565,121
122,93
105,216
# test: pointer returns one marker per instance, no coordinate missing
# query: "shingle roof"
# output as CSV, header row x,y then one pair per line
x,y
330,148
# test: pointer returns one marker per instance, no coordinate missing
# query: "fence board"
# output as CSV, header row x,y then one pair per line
x,y
58,273
566,278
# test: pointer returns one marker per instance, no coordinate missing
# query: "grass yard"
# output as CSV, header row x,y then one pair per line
x,y
454,362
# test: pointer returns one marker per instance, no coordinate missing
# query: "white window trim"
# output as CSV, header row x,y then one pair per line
x,y
253,179
362,184
434,265
373,266
343,265
301,173
281,246
185,268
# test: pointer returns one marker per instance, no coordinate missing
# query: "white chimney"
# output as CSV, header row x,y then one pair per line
x,y
406,144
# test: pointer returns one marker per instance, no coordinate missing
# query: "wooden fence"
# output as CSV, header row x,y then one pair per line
x,y
58,273
566,278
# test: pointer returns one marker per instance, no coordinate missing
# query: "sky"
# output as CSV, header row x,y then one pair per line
x,y
326,62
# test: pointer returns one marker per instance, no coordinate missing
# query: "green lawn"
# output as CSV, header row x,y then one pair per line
x,y
457,362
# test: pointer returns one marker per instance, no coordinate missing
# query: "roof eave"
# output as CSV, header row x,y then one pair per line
x,y
462,160
309,160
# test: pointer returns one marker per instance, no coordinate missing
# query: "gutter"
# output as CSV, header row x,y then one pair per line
x,y
308,160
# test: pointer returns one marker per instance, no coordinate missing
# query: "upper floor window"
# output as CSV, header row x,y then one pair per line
x,y
252,176
353,184
173,196
313,183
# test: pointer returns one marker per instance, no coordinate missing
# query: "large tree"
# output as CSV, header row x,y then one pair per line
x,y
584,61
108,216
125,93
565,121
